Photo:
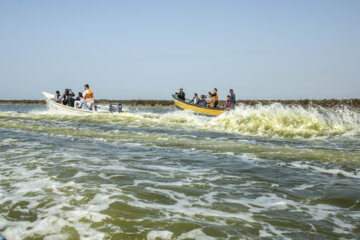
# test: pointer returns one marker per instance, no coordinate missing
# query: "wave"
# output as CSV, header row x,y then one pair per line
x,y
273,121
277,120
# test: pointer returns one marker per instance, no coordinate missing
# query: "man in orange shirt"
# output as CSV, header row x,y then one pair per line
x,y
89,97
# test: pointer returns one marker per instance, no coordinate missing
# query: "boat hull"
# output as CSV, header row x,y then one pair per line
x,y
49,98
197,109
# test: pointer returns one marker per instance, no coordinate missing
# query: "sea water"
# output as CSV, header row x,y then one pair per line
x,y
263,172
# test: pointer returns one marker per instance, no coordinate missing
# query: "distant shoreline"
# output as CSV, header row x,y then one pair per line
x,y
328,103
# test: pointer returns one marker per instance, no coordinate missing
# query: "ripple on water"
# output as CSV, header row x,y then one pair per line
x,y
177,175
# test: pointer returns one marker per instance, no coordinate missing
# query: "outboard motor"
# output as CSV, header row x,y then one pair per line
x,y
115,107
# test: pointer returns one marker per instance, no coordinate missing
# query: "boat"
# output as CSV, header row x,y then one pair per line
x,y
50,102
208,111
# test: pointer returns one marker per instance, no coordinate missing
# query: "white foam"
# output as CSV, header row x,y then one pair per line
x,y
159,235
197,234
301,165
303,187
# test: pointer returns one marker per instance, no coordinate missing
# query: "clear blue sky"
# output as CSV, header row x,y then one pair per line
x,y
125,49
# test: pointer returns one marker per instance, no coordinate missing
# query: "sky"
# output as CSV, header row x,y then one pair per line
x,y
263,49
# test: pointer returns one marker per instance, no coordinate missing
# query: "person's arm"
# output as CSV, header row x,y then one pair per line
x,y
71,93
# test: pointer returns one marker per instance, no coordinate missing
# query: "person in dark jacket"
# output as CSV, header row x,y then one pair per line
x,y
181,94
70,98
202,102
232,99
67,98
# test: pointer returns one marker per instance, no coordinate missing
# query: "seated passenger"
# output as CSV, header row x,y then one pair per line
x,y
57,97
228,102
82,104
202,101
195,99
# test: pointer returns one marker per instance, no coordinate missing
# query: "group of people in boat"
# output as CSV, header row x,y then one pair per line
x,y
211,101
84,100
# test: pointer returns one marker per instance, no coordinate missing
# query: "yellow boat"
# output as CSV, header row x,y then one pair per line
x,y
209,111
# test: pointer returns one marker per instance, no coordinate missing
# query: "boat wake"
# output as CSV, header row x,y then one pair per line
x,y
290,122
275,121
271,121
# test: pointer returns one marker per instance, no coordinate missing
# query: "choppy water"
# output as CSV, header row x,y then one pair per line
x,y
265,172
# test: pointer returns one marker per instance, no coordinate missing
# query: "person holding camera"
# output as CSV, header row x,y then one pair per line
x,y
181,94
67,98
215,97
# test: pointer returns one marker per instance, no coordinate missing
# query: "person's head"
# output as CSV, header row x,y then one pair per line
x,y
57,92
228,97
202,96
80,95
181,90
66,91
215,89
86,86
231,91
195,95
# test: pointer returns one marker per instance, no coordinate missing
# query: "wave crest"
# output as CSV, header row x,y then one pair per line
x,y
276,120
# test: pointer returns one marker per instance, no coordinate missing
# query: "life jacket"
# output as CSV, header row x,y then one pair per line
x,y
89,94
216,97
211,104
228,103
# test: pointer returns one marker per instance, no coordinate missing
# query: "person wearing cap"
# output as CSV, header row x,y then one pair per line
x,y
181,94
